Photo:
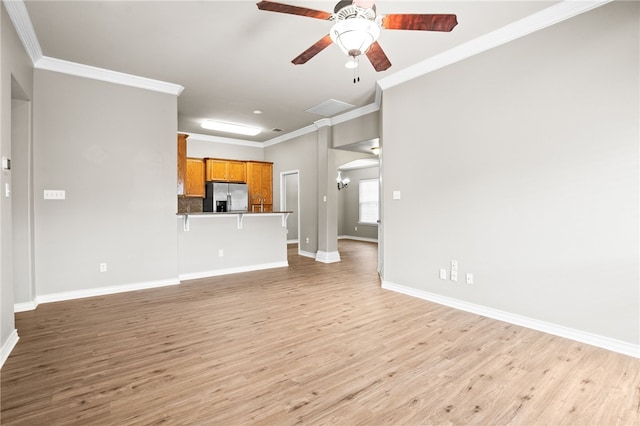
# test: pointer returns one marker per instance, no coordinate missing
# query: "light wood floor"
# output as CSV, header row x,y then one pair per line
x,y
310,344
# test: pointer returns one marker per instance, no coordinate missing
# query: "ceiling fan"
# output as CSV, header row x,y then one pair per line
x,y
357,27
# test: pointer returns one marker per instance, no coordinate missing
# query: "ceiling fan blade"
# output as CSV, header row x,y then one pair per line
x,y
293,10
316,48
378,58
420,22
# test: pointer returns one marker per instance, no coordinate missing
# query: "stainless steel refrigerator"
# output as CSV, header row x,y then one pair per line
x,y
226,197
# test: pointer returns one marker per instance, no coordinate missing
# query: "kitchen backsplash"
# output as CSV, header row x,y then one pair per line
x,y
189,205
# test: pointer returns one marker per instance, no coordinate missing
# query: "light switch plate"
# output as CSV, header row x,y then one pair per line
x,y
54,194
396,195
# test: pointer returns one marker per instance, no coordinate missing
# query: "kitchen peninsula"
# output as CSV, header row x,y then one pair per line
x,y
220,242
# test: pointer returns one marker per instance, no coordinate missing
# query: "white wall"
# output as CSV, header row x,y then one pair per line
x,y
522,164
112,148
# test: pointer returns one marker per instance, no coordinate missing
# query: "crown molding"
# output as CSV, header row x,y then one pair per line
x,y
219,139
95,73
530,24
17,11
325,122
291,135
347,116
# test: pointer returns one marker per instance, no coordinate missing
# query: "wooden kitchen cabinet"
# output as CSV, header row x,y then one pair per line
x,y
260,183
194,181
182,162
220,170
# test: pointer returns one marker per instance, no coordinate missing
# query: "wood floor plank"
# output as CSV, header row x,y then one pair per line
x,y
312,344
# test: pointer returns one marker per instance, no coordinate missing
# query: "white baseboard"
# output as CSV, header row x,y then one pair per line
x,y
327,256
8,346
351,237
102,291
307,254
227,271
25,306
296,241
603,342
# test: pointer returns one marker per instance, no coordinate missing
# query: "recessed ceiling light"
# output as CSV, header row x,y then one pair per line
x,y
239,129
257,111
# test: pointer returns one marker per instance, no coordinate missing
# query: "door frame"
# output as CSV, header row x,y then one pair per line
x,y
283,196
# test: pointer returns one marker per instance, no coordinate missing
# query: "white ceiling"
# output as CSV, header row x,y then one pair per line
x,y
232,58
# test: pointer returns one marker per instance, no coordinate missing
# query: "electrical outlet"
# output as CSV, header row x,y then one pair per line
x,y
103,267
454,265
356,228
443,274
469,278
220,253
454,275
306,240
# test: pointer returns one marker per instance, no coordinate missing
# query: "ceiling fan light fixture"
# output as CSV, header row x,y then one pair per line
x,y
238,129
355,35
351,63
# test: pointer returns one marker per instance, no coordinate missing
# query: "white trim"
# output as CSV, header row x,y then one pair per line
x,y
17,11
219,139
103,291
532,23
296,241
228,271
291,135
356,113
25,306
304,253
351,237
323,122
347,116
613,345
8,346
327,256
95,73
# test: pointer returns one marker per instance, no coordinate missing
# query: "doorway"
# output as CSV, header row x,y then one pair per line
x,y
22,221
290,201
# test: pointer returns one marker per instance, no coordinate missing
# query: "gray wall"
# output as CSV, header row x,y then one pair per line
x,y
113,149
199,148
198,248
299,154
349,205
360,129
14,63
522,164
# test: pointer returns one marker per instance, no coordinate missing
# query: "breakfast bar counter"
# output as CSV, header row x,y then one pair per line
x,y
220,243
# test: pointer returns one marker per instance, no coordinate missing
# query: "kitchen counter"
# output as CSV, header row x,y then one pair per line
x,y
228,213
212,243
238,215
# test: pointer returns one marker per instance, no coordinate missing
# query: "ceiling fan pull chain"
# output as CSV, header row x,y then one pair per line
x,y
356,73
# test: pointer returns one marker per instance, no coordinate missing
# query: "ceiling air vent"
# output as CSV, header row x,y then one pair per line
x,y
329,108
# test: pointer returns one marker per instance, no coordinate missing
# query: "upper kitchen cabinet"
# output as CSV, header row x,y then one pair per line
x,y
194,182
225,170
182,162
260,183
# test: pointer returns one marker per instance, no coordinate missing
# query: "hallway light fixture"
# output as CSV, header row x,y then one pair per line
x,y
342,183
